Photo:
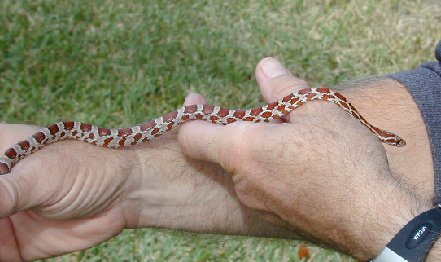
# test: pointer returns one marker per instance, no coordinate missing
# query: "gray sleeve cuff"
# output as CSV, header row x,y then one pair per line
x,y
424,84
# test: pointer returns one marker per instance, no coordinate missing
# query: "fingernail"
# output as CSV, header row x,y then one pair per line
x,y
272,68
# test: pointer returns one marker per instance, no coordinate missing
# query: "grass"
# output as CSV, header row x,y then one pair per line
x,y
122,62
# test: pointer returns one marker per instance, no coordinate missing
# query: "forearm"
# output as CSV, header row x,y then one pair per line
x,y
193,196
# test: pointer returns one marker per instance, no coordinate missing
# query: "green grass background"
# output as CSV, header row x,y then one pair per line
x,y
121,62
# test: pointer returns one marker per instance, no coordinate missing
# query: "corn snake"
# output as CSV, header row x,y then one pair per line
x,y
135,135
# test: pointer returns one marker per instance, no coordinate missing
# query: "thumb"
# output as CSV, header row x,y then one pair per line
x,y
214,143
194,98
26,186
275,80
17,192
23,188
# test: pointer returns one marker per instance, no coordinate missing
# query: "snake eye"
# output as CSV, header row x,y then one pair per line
x,y
401,143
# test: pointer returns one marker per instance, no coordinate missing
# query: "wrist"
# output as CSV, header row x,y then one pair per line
x,y
415,240
394,210
171,191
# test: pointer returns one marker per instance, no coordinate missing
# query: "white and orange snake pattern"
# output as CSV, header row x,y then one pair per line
x,y
124,137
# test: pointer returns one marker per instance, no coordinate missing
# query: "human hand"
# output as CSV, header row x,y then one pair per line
x,y
70,196
323,172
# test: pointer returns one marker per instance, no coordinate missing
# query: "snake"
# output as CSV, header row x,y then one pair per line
x,y
135,135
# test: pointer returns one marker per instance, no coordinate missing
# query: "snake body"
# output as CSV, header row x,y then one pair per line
x,y
135,135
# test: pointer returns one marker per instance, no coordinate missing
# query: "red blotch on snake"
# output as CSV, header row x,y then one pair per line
x,y
148,125
340,96
223,112
231,120
53,129
310,97
190,109
272,106
4,169
24,145
39,137
170,117
323,90
214,118
345,105
121,142
124,132
382,132
305,91
208,109
328,97
68,125
267,114
185,117
256,111
155,131
137,137
107,141
294,100
85,127
287,98
239,114
249,118
104,131
11,153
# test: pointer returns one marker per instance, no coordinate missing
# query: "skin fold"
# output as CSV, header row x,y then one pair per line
x,y
321,174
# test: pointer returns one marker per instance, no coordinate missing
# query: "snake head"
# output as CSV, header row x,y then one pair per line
x,y
401,142
397,141
394,140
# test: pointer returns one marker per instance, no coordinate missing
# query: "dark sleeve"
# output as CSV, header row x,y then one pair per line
x,y
424,84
